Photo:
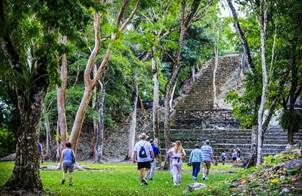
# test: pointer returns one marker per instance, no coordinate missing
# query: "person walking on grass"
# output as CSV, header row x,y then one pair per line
x,y
178,153
207,158
234,156
143,154
169,158
195,160
154,160
67,162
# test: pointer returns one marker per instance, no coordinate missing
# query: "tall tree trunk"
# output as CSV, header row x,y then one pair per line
x,y
155,107
80,116
263,31
100,135
167,134
133,120
216,50
47,133
95,121
61,101
26,174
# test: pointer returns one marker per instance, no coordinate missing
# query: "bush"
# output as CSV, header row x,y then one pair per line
x,y
7,141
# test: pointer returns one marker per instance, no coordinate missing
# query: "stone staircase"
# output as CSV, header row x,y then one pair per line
x,y
196,103
197,116
225,140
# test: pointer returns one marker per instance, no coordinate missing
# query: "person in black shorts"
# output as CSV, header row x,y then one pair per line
x,y
143,155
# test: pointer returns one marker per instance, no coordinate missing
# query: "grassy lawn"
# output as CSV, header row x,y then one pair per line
x,y
122,179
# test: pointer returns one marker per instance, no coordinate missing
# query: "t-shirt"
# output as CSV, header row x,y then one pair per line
x,y
67,153
195,156
148,149
206,152
235,154
155,150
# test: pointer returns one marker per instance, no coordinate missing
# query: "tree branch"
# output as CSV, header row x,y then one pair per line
x,y
242,37
92,57
122,12
130,17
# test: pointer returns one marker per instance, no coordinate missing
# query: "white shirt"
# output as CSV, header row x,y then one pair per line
x,y
148,149
206,152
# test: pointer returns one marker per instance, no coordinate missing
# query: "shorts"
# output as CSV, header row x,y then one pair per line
x,y
141,165
207,164
234,158
68,166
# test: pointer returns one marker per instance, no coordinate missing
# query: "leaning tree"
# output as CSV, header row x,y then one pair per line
x,y
30,53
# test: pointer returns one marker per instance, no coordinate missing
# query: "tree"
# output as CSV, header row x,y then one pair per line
x,y
29,59
263,36
272,87
186,17
91,83
61,91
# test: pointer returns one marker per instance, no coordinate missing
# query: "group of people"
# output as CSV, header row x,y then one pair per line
x,y
146,155
236,154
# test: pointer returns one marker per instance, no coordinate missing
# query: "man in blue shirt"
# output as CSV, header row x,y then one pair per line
x,y
195,160
207,157
154,161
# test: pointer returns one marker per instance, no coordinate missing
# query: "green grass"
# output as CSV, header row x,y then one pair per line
x,y
122,179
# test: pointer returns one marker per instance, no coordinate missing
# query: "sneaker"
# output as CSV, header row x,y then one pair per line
x,y
203,178
63,181
144,181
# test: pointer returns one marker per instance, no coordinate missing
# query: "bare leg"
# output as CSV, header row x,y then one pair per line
x,y
70,178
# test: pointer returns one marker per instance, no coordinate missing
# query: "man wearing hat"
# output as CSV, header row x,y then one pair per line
x,y
207,157
143,155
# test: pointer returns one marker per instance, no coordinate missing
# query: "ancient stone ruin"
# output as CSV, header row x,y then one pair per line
x,y
200,115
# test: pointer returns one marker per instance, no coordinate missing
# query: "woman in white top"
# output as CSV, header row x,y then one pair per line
x,y
177,155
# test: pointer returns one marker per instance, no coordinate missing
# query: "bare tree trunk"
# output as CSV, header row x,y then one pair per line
x,y
100,135
47,133
95,122
78,122
193,73
273,52
155,107
133,120
216,50
61,101
263,31
57,143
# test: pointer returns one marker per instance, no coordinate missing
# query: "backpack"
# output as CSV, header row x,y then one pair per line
x,y
142,152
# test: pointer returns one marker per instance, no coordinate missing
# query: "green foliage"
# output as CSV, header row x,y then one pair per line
x,y
291,119
7,141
